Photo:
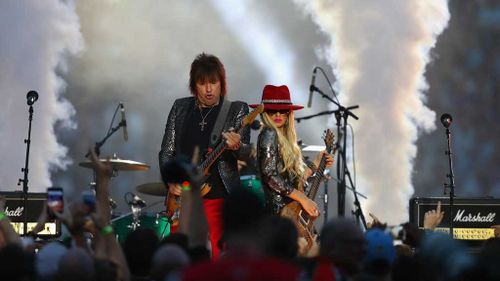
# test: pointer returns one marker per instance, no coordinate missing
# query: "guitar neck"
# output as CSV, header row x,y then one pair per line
x,y
215,154
317,179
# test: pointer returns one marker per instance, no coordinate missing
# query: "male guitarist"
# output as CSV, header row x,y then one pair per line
x,y
204,120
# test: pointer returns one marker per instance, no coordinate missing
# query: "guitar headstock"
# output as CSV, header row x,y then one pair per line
x,y
252,115
329,139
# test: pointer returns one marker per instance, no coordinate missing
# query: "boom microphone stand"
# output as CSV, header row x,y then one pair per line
x,y
111,131
31,98
99,144
446,120
358,212
341,115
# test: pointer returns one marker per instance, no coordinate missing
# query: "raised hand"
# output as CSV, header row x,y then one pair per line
x,y
433,218
101,168
376,223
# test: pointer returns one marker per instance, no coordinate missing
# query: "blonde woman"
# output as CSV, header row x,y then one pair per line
x,y
279,157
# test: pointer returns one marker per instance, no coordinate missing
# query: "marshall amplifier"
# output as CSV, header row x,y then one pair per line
x,y
14,209
473,218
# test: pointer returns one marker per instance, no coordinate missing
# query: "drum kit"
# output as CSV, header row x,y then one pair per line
x,y
135,219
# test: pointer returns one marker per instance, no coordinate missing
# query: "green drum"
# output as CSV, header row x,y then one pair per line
x,y
255,185
123,225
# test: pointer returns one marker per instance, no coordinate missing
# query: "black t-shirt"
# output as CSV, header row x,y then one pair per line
x,y
193,135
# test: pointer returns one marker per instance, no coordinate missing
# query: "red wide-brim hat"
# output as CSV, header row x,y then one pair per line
x,y
276,98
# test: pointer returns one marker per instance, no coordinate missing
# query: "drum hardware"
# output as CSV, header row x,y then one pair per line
x,y
139,218
136,204
112,203
162,216
153,188
120,165
136,212
117,164
252,183
313,148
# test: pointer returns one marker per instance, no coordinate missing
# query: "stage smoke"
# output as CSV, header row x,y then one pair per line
x,y
37,36
379,50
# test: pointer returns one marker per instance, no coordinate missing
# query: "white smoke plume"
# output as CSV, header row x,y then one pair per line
x,y
261,38
379,50
37,36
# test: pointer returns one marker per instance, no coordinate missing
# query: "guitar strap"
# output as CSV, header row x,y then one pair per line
x,y
219,123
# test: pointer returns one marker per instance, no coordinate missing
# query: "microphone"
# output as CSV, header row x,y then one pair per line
x,y
312,88
112,203
256,124
446,120
31,97
124,122
301,143
137,201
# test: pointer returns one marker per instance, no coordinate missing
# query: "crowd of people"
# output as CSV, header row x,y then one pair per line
x,y
248,239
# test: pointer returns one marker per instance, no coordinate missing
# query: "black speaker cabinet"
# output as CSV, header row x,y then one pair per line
x,y
14,209
473,218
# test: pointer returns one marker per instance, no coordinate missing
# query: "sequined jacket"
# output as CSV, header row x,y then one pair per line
x,y
276,185
227,163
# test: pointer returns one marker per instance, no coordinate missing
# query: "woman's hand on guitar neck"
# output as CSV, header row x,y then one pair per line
x,y
174,188
329,159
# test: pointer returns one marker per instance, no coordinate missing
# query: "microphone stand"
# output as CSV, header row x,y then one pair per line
x,y
451,184
341,115
99,144
25,171
328,112
358,212
325,196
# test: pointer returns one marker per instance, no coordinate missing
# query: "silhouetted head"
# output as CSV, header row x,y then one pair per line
x,y
343,243
139,248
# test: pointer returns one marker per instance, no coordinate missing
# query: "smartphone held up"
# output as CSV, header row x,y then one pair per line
x,y
55,201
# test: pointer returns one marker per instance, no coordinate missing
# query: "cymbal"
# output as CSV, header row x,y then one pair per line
x,y
120,165
153,188
313,148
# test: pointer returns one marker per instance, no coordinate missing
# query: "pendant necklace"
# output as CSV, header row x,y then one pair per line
x,y
203,123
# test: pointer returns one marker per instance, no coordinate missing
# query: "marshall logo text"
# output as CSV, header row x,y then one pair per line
x,y
18,212
490,217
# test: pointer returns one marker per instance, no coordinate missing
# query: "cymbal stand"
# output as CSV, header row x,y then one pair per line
x,y
136,213
136,208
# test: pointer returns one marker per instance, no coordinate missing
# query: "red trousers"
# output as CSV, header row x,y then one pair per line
x,y
213,212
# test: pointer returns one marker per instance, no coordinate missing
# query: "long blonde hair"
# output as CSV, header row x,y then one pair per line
x,y
287,141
